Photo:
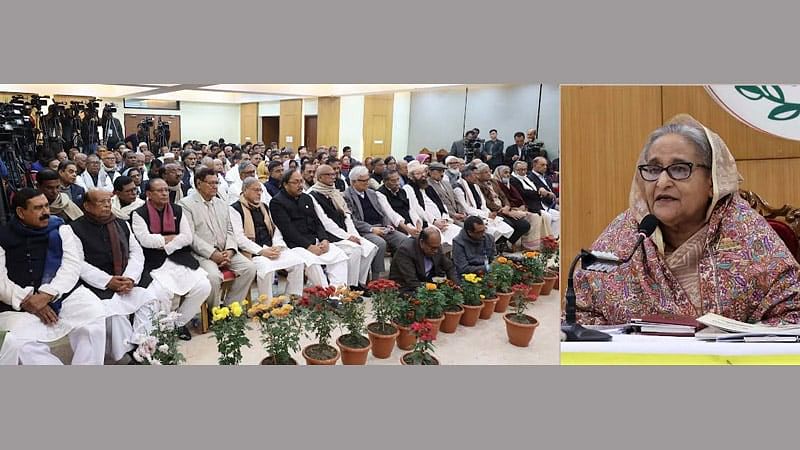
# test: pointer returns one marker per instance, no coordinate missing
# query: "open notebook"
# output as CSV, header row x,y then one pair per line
x,y
721,328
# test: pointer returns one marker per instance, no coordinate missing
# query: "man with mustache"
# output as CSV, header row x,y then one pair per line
x,y
40,262
60,203
67,174
425,204
111,269
170,270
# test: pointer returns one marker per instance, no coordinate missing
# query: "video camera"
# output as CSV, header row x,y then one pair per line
x,y
110,108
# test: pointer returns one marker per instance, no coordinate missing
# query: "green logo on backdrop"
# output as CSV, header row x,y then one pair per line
x,y
784,111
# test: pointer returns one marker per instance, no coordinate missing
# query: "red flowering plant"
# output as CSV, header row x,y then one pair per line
x,y
522,295
421,354
386,305
431,302
549,249
319,312
451,292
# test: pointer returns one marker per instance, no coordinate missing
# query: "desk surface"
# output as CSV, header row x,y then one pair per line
x,y
643,349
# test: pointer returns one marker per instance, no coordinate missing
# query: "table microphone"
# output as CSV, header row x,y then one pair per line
x,y
598,262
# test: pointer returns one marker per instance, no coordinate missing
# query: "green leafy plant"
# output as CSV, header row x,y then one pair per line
x,y
320,317
452,295
501,274
431,302
352,318
280,327
533,264
229,324
519,302
421,354
386,304
160,347
472,289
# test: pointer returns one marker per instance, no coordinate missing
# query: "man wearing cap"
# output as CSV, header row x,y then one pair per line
x,y
425,204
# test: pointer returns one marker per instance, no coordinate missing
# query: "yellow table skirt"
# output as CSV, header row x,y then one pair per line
x,y
669,359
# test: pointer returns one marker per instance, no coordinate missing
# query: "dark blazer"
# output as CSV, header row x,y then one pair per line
x,y
497,150
357,213
297,220
532,199
510,152
408,266
540,184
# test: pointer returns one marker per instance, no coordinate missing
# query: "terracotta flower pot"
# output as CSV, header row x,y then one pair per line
x,y
406,339
353,356
451,319
436,325
557,284
520,334
488,308
502,301
470,316
382,344
403,359
312,361
549,282
536,288
270,361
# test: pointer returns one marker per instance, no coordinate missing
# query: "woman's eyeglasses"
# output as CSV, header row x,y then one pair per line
x,y
678,171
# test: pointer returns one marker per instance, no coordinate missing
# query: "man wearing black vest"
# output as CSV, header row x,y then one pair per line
x,y
425,204
40,263
396,205
169,267
370,219
333,212
295,216
111,269
255,233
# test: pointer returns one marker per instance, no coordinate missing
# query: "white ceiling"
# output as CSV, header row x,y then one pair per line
x,y
214,93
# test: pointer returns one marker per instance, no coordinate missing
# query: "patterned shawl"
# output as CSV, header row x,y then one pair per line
x,y
744,270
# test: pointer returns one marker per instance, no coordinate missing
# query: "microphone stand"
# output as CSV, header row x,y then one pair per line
x,y
573,330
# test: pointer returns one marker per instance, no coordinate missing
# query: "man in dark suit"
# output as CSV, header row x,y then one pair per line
x,y
515,152
539,178
493,149
419,260
459,147
371,221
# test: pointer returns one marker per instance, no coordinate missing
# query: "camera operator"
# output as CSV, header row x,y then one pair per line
x,y
468,148
112,129
534,147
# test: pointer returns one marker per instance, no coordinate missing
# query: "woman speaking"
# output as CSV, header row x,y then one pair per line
x,y
711,252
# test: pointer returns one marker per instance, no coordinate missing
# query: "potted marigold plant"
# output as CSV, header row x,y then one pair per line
x,y
471,289
502,275
520,326
431,305
385,307
405,315
534,270
452,309
488,297
421,355
550,261
319,319
229,324
353,345
281,328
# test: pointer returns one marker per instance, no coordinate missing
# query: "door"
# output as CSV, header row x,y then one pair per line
x,y
310,140
270,129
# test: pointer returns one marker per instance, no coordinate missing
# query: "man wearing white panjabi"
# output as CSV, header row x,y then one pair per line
x,y
423,209
295,216
40,262
469,194
333,212
112,266
169,267
255,235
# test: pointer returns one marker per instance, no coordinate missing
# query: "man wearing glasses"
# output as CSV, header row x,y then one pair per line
x,y
125,200
246,170
213,243
371,221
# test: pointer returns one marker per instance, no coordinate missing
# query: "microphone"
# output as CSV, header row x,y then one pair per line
x,y
598,262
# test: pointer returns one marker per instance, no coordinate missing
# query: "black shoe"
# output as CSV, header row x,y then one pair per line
x,y
184,334
501,246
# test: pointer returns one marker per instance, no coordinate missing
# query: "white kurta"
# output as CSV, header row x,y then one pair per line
x,y
78,309
104,182
235,193
173,277
430,212
497,227
266,267
360,255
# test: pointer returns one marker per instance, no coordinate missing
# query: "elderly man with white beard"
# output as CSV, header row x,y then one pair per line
x,y
426,206
333,212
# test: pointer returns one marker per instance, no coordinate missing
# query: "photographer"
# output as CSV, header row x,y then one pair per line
x,y
112,129
469,148
534,146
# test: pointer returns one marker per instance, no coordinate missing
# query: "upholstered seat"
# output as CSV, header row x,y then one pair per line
x,y
784,220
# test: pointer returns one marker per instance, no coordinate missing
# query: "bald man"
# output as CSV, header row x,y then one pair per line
x,y
419,260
